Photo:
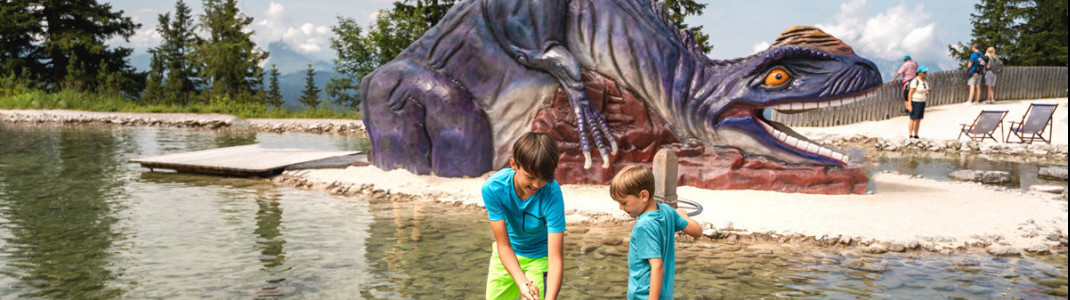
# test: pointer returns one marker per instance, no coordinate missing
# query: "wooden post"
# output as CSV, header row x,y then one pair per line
x,y
665,176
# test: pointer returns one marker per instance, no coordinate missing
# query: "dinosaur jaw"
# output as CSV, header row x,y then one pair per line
x,y
783,142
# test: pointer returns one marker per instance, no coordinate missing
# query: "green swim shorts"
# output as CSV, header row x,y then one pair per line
x,y
500,284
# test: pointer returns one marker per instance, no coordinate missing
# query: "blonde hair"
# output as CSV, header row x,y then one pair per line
x,y
991,52
630,181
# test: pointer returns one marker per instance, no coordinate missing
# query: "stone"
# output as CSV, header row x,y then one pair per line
x,y
1003,251
612,241
710,232
897,247
1053,172
966,175
1050,189
996,177
1038,249
845,240
954,145
723,226
875,249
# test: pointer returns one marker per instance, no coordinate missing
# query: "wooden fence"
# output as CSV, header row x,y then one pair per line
x,y
948,87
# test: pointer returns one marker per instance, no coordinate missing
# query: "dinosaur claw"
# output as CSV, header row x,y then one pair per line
x,y
614,144
605,157
586,160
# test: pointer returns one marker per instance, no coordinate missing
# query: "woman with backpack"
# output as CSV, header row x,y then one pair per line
x,y
919,92
992,70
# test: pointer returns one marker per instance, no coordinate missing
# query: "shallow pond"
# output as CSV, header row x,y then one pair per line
x,y
937,166
78,221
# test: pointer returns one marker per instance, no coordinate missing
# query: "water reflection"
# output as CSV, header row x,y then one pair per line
x,y
421,251
271,241
58,212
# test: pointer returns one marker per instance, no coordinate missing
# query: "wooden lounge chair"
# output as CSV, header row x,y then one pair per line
x,y
1035,121
984,125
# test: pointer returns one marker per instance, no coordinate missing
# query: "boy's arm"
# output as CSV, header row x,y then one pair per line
x,y
555,241
693,228
657,275
508,258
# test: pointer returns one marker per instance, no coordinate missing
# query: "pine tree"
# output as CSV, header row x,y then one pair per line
x,y
994,25
310,97
174,54
680,9
154,90
230,59
274,97
1043,40
18,32
81,28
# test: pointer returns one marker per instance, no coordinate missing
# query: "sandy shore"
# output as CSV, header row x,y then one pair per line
x,y
905,213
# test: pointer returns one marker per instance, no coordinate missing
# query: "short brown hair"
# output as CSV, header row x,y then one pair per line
x,y
630,181
536,152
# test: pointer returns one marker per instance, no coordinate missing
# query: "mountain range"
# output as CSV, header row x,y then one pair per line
x,y
291,64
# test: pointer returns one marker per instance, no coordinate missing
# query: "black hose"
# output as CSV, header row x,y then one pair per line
x,y
694,205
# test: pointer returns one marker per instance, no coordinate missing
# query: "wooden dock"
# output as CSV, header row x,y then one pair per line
x,y
248,160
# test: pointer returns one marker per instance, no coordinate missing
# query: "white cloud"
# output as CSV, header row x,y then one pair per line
x,y
277,25
146,36
276,11
759,47
897,31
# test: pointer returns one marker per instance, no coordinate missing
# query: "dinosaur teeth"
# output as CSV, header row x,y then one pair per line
x,y
809,105
803,144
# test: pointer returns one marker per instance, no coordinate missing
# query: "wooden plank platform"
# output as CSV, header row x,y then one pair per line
x,y
248,160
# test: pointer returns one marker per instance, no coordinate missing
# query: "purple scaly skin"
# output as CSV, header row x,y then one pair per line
x,y
453,103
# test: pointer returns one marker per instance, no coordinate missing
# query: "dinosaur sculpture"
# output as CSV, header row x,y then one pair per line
x,y
609,71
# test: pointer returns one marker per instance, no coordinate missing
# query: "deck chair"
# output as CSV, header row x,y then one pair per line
x,y
1035,121
984,126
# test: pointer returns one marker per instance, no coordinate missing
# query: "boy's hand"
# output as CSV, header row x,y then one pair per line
x,y
529,291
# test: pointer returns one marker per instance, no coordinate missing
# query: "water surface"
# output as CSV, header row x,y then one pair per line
x,y
78,221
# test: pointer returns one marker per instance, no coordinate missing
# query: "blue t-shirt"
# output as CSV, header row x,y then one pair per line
x,y
654,236
529,220
974,58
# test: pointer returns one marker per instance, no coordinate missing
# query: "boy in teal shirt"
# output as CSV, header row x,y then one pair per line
x,y
527,217
652,249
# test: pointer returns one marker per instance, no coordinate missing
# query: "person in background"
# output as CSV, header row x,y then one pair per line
x,y
975,72
919,92
992,70
908,70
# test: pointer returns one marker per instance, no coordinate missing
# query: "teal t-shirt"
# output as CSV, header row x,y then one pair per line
x,y
654,236
529,220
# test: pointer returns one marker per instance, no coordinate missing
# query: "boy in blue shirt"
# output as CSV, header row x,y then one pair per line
x,y
652,250
527,217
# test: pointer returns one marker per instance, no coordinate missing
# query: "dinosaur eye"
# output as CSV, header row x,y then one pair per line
x,y
777,77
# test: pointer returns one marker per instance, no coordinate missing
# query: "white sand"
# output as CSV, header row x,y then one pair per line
x,y
944,122
903,209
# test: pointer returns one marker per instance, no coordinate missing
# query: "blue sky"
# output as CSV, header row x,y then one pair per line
x,y
879,30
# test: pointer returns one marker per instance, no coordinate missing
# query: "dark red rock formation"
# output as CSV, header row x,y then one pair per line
x,y
640,134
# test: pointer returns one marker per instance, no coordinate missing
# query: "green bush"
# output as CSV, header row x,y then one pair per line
x,y
14,95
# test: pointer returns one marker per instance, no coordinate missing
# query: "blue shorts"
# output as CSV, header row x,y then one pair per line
x,y
917,110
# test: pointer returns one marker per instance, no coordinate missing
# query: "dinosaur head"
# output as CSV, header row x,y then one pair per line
x,y
804,69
